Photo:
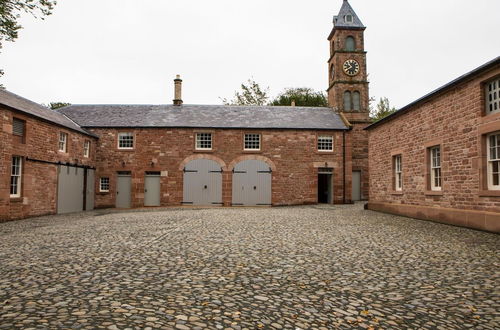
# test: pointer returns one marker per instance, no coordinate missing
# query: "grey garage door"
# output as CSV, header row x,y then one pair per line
x,y
70,189
123,190
252,183
202,183
152,189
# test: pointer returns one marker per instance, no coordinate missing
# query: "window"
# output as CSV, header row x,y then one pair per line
x,y
63,142
350,44
493,96
104,185
398,173
325,143
18,127
125,140
348,18
435,167
252,142
15,177
347,101
494,161
356,101
86,149
204,141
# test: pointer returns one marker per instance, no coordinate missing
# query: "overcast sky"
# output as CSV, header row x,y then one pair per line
x,y
129,51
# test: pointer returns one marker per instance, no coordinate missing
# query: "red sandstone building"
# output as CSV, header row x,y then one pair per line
x,y
169,155
438,158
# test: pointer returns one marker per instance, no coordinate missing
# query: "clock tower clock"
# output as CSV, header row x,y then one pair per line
x,y
348,92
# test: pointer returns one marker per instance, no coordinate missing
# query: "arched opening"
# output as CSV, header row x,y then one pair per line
x,y
350,44
347,101
356,106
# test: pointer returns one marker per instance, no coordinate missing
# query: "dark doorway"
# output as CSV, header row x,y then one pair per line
x,y
325,188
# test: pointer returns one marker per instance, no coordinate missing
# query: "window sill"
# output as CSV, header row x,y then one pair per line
x,y
434,193
103,193
126,150
489,193
204,150
395,192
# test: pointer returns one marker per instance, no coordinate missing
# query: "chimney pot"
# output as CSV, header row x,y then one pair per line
x,y
293,103
178,90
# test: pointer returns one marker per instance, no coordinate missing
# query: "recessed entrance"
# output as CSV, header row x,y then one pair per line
x,y
325,186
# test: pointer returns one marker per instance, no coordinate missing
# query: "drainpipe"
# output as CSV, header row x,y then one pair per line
x,y
343,167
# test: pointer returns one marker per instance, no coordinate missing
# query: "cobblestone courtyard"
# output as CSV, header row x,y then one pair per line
x,y
299,267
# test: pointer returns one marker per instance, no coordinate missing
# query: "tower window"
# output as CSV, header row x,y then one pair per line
x,y
347,101
356,101
348,18
350,44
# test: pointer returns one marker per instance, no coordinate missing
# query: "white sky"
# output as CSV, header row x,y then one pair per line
x,y
129,51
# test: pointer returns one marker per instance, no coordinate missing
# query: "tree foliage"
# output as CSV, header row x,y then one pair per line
x,y
382,110
10,11
251,94
303,97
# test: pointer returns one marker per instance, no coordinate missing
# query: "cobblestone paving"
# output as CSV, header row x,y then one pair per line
x,y
316,267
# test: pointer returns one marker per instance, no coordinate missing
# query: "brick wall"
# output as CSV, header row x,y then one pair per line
x,y
39,180
456,121
292,152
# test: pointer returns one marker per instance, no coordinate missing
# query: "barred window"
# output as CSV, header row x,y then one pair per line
x,y
325,143
493,96
86,149
494,161
63,142
252,142
104,185
435,159
204,141
15,176
398,173
125,140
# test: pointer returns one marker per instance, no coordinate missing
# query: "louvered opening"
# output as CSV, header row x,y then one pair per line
x,y
18,127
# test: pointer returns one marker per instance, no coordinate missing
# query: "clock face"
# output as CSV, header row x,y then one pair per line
x,y
351,67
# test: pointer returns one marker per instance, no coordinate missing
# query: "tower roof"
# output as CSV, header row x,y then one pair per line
x,y
347,18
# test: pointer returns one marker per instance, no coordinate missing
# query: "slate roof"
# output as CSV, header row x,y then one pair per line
x,y
31,108
204,116
346,9
485,67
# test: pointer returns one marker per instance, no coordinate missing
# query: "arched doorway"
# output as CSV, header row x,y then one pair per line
x,y
202,183
252,183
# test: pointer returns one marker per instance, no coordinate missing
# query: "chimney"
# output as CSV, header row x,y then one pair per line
x,y
293,103
178,90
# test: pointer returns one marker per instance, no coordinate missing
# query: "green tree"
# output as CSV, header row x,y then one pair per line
x,y
303,97
57,105
10,12
251,94
382,110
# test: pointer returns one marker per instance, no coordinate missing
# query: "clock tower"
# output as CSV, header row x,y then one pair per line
x,y
348,79
348,91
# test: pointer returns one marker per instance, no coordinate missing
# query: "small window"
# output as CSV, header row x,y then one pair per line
x,y
347,101
348,18
125,140
204,141
104,185
493,96
15,176
86,149
63,142
252,142
435,166
398,173
494,161
18,127
350,44
325,143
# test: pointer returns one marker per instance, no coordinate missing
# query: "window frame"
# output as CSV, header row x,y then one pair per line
x,y
350,49
18,175
435,169
63,142
397,172
350,20
492,96
245,141
125,134
86,149
490,162
101,184
325,137
196,140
